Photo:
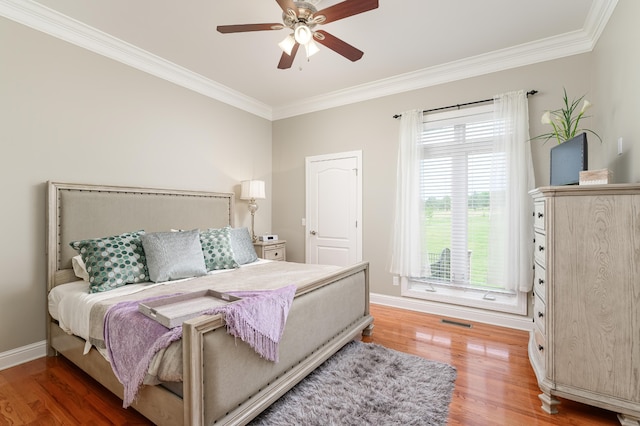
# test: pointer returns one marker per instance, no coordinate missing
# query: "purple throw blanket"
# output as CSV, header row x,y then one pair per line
x,y
132,339
259,318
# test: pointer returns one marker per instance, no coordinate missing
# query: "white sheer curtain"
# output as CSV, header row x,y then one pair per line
x,y
406,241
511,221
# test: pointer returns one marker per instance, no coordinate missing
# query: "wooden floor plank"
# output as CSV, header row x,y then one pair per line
x,y
13,407
495,384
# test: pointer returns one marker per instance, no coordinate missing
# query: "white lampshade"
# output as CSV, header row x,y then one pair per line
x,y
287,44
252,189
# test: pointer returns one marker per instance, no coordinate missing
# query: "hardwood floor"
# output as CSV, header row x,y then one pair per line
x,y
495,383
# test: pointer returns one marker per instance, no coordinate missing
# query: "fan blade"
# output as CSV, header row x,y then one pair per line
x,y
338,46
287,4
345,9
226,29
287,60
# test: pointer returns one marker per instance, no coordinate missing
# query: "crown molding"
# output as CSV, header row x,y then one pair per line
x,y
568,44
51,22
41,18
597,18
526,54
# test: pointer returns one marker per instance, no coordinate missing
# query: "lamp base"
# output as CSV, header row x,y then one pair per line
x,y
253,207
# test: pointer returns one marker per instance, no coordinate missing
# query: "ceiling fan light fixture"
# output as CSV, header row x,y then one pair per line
x,y
287,44
302,33
311,48
302,17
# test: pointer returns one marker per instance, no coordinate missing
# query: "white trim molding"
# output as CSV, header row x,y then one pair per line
x,y
571,43
23,354
53,23
518,322
41,18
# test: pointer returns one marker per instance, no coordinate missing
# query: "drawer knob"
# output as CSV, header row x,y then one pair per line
x,y
540,248
313,232
540,281
540,215
540,314
540,348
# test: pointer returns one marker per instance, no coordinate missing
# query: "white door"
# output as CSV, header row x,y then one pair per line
x,y
334,209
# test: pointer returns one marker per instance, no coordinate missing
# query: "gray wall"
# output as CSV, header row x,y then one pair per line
x,y
616,85
67,114
70,115
608,76
369,126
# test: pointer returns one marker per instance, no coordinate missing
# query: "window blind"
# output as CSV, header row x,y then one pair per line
x,y
458,173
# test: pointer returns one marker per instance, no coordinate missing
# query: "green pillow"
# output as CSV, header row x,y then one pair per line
x,y
216,247
112,262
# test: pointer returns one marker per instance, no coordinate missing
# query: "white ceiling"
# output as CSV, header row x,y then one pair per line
x,y
407,44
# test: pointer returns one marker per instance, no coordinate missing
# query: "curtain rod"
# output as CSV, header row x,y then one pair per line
x,y
529,93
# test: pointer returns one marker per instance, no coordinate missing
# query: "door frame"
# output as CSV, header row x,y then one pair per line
x,y
329,157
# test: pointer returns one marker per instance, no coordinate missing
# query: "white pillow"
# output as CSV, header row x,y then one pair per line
x,y
78,267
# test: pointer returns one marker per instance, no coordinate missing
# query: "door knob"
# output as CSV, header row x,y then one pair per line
x,y
313,232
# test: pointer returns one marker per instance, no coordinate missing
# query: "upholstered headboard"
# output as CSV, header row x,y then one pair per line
x,y
76,212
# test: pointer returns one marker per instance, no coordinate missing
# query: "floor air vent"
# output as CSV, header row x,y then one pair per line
x,y
459,324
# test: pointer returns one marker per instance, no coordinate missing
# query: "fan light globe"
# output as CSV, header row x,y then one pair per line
x,y
302,33
287,44
311,48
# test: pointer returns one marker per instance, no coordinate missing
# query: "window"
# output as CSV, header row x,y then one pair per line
x,y
461,180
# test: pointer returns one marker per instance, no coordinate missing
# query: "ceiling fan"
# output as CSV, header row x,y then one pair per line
x,y
302,17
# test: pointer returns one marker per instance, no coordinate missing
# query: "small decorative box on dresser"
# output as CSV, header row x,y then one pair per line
x,y
271,250
585,345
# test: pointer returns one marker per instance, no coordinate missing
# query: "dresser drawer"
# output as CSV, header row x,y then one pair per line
x,y
538,215
539,314
540,281
275,252
540,348
540,248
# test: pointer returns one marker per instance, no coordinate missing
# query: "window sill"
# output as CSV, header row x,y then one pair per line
x,y
500,302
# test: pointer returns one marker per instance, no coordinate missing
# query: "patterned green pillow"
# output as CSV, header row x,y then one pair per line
x,y
216,247
114,261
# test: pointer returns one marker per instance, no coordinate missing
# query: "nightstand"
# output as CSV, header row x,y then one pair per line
x,y
271,250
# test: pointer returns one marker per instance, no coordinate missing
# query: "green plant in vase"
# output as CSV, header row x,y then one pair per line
x,y
565,121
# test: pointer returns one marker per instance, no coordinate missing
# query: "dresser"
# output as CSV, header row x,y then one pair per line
x,y
271,250
585,343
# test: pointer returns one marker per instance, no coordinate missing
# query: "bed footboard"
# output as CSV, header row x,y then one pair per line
x,y
226,382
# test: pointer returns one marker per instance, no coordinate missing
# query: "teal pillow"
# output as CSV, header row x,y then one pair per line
x,y
112,262
242,246
216,247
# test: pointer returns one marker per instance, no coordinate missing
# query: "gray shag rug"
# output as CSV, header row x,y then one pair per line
x,y
367,384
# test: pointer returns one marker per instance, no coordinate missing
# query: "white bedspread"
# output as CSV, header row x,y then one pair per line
x,y
82,314
70,304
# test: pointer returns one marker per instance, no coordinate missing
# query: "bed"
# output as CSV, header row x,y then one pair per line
x,y
224,381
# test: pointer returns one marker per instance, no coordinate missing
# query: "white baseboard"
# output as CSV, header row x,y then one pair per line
x,y
23,354
518,322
